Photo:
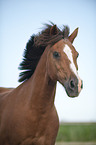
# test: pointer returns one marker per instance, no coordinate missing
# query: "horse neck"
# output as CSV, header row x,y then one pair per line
x,y
42,87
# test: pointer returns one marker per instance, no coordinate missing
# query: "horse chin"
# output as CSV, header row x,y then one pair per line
x,y
72,94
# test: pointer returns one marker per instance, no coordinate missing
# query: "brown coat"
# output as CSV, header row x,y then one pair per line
x,y
27,113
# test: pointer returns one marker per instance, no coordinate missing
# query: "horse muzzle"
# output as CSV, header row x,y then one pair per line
x,y
73,86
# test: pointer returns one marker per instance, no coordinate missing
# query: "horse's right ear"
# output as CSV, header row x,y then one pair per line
x,y
73,35
53,30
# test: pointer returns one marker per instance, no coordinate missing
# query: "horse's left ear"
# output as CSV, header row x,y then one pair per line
x,y
73,35
53,30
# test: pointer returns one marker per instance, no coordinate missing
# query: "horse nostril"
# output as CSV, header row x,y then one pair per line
x,y
82,85
72,84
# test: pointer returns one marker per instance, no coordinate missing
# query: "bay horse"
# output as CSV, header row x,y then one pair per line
x,y
27,113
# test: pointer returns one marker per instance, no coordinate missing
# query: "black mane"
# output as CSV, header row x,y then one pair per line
x,y
35,48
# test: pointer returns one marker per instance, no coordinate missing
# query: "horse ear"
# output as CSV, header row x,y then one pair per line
x,y
53,30
73,35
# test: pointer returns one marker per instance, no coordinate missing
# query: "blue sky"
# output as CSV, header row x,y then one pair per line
x,y
19,19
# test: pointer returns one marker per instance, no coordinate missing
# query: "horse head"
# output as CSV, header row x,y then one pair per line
x,y
62,63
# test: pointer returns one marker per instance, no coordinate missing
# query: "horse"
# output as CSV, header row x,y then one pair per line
x,y
27,113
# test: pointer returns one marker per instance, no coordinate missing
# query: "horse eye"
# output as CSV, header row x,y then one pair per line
x,y
56,54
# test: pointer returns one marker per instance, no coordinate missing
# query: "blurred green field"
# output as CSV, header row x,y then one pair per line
x,y
77,132
75,143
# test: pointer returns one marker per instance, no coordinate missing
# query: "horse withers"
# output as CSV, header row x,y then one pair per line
x,y
27,113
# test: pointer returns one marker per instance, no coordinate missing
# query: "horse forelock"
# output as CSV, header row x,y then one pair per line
x,y
35,48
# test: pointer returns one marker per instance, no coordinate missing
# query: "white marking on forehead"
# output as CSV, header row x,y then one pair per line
x,y
68,52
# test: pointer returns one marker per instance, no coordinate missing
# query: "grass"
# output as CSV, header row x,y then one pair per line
x,y
75,143
77,132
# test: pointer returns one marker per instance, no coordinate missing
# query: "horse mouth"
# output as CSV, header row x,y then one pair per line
x,y
71,93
